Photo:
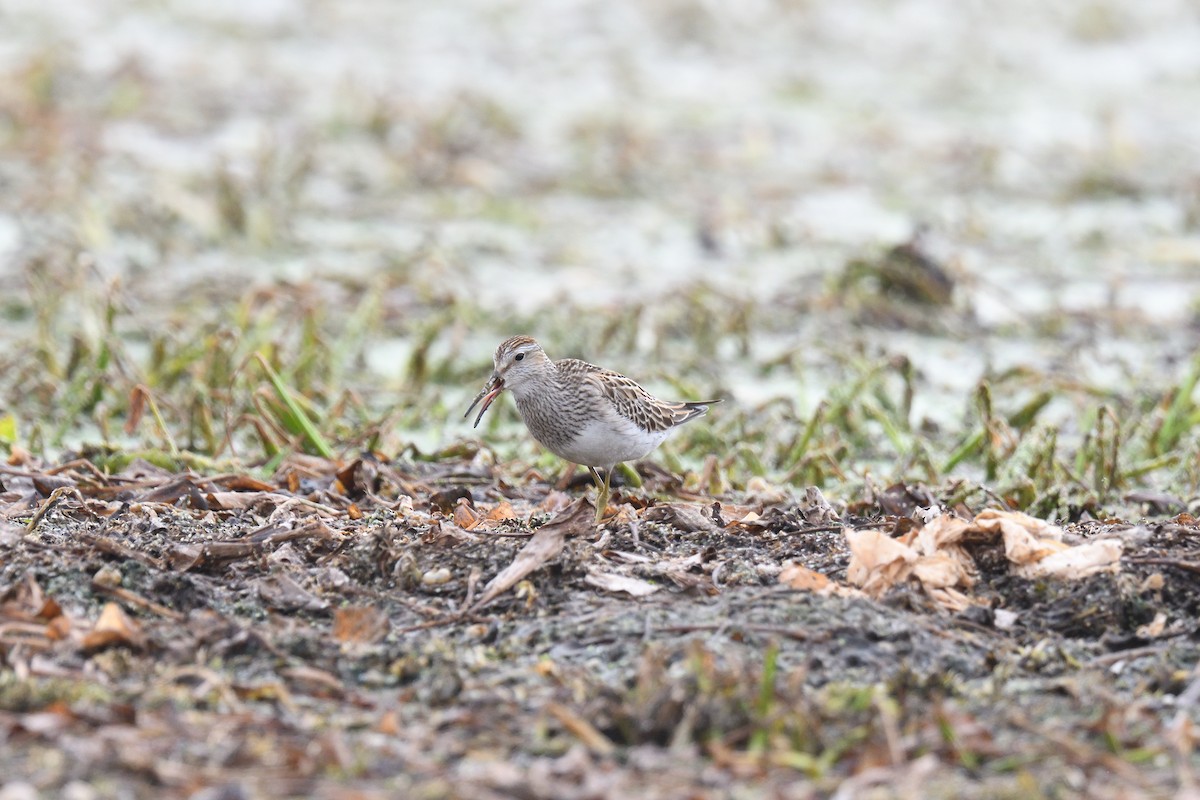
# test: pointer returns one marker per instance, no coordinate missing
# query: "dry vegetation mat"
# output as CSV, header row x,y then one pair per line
x,y
433,629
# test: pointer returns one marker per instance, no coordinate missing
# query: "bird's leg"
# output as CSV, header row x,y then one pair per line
x,y
602,491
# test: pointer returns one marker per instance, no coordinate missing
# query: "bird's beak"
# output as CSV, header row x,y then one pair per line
x,y
487,394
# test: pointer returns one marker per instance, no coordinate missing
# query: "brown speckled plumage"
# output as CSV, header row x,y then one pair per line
x,y
630,400
579,411
568,389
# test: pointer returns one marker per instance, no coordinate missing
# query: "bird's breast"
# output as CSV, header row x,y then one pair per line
x,y
586,433
600,443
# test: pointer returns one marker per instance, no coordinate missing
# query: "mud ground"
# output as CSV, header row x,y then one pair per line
x,y
320,635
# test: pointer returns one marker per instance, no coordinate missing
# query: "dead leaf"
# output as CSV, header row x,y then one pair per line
x,y
466,517
545,544
503,510
1154,628
877,561
555,501
282,593
245,483
237,501
1026,538
137,406
389,724
359,624
114,627
58,628
581,729
183,557
938,554
684,517
359,477
1080,561
803,579
942,571
815,509
26,602
614,582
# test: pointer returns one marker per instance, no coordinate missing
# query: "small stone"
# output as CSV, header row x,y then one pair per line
x,y
78,790
18,790
108,576
1004,619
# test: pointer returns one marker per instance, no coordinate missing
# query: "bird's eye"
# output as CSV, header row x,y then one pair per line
x,y
520,357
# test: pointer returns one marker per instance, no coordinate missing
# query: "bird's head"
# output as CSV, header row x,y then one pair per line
x,y
518,363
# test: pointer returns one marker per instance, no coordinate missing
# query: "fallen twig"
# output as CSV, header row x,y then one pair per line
x,y
581,729
1155,561
135,599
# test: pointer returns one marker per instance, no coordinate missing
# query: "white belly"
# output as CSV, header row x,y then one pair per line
x,y
605,444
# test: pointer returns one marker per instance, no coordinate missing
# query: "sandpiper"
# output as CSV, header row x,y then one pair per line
x,y
580,412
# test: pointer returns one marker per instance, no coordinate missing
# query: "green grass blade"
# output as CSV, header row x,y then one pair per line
x,y
311,434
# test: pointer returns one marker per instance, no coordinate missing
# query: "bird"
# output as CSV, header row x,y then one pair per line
x,y
582,413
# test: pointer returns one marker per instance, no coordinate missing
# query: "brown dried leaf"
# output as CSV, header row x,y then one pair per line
x,y
137,407
26,602
356,478
114,627
940,532
245,483
1026,539
1080,561
937,554
803,579
58,628
183,557
389,724
877,561
170,492
942,571
543,546
359,624
236,501
466,517
503,510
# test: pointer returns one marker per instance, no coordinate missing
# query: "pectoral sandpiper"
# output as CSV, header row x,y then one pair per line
x,y
580,412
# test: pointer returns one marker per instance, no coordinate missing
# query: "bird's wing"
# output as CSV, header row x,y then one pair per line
x,y
632,401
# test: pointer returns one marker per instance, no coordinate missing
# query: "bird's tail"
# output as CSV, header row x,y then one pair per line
x,y
691,410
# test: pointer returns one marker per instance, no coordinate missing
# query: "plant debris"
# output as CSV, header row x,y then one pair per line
x,y
321,625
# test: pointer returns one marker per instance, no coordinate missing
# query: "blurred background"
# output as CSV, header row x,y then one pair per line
x,y
880,228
